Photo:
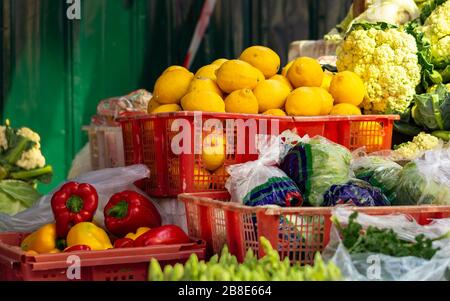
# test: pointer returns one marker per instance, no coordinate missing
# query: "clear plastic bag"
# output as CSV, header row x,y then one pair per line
x,y
261,182
107,182
378,170
426,180
315,165
379,267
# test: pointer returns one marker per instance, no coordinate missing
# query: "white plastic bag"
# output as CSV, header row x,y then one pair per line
x,y
379,267
107,182
261,182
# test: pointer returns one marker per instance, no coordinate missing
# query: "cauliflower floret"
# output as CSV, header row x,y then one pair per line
x,y
414,149
437,30
3,140
27,133
387,62
31,159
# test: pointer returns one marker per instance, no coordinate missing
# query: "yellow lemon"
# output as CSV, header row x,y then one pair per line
x,y
347,87
241,101
327,78
172,86
175,67
204,84
202,179
327,100
371,134
286,68
152,105
305,72
304,101
167,109
345,109
219,178
213,154
271,94
283,80
236,75
263,58
219,62
203,101
208,71
275,112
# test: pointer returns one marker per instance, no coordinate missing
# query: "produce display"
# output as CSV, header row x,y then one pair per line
x,y
131,221
384,241
252,85
226,268
22,167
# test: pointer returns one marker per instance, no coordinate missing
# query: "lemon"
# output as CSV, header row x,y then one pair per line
x,y
304,101
286,68
204,84
175,67
271,94
263,58
172,86
241,101
202,179
236,75
345,109
203,101
371,134
327,78
275,112
213,154
208,71
219,178
152,105
219,62
305,72
283,80
347,87
167,109
327,100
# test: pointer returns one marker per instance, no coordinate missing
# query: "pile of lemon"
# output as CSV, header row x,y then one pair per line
x,y
252,85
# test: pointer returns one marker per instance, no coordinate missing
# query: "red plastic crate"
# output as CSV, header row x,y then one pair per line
x,y
148,140
110,265
297,233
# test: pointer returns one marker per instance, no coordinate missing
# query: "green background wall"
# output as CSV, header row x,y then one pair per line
x,y
54,70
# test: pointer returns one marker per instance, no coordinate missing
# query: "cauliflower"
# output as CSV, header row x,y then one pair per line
x,y
386,60
3,140
31,159
437,31
414,149
27,133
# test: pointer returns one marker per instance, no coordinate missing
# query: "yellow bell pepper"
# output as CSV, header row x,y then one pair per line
x,y
138,233
42,241
90,235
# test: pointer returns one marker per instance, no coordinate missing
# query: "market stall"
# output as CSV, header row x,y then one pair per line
x,y
247,170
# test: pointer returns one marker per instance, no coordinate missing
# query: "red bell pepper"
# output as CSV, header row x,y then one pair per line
x,y
72,204
77,248
124,243
128,211
165,235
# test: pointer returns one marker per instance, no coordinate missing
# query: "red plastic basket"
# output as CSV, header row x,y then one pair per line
x,y
148,140
110,265
298,233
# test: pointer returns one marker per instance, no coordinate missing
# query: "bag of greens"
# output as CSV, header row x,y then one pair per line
x,y
426,180
315,165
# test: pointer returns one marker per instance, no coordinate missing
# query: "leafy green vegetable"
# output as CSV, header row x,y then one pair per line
x,y
432,110
16,196
383,241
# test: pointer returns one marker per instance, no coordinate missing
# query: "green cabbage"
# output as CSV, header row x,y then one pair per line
x,y
432,110
16,196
